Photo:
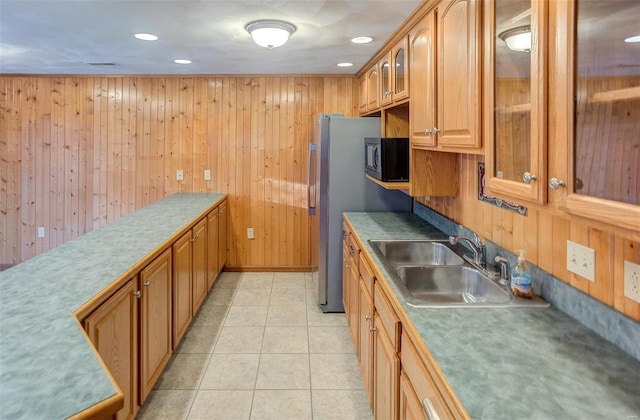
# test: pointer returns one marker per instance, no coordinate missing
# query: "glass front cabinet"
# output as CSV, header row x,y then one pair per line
x,y
562,106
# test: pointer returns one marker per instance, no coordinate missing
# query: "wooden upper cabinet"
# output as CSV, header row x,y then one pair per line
x,y
595,108
363,92
458,79
422,112
373,89
400,70
386,80
515,99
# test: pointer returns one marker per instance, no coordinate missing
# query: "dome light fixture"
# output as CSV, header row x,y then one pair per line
x,y
362,40
270,33
517,39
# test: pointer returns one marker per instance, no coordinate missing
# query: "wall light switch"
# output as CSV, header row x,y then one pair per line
x,y
581,260
207,175
250,233
40,232
179,175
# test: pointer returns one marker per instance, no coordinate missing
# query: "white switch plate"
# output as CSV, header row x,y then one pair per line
x,y
581,260
632,281
250,233
179,175
40,232
207,175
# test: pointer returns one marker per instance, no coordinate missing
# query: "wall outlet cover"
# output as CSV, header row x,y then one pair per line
x,y
40,232
250,233
581,260
179,175
632,281
207,175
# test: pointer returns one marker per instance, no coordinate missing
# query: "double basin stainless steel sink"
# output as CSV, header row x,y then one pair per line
x,y
431,274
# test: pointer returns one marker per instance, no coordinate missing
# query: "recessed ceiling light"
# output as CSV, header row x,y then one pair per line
x,y
182,61
633,39
345,64
362,40
146,37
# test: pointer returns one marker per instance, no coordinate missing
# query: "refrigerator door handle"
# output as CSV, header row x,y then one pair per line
x,y
312,204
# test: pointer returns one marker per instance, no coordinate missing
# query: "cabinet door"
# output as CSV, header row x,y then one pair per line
x,y
113,330
182,289
155,321
366,340
199,266
346,271
596,106
223,227
458,77
386,77
362,84
423,81
515,102
400,70
213,235
354,304
373,89
410,407
386,371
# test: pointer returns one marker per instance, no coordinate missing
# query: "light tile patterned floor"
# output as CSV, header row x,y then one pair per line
x,y
260,348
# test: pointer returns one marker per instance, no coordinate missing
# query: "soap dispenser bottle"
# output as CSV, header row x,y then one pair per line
x,y
521,278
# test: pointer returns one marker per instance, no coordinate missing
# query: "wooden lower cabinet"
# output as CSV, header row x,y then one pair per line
x,y
367,331
213,266
387,369
410,406
113,330
223,228
199,265
155,321
181,286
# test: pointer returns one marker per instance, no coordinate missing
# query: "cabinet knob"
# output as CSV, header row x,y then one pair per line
x,y
436,130
192,240
429,410
372,329
146,284
367,317
555,183
527,177
137,294
428,132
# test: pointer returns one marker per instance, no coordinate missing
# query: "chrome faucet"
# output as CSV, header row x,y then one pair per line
x,y
504,269
477,246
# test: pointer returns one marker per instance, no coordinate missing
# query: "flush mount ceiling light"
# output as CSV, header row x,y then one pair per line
x,y
270,33
146,37
362,40
517,39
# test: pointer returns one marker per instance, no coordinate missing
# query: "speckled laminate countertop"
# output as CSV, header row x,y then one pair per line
x,y
48,369
514,363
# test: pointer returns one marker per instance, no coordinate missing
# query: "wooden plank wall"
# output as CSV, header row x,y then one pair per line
x,y
79,152
544,234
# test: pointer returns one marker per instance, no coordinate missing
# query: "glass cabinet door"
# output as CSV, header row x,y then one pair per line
x,y
385,74
599,46
515,99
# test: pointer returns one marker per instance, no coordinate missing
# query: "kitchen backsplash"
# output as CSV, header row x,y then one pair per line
x,y
610,324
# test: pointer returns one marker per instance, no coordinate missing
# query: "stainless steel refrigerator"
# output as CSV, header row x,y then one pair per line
x,y
336,183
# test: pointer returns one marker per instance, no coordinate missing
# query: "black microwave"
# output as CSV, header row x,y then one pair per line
x,y
387,158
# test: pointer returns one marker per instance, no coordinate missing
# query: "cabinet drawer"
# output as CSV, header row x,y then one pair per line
x,y
367,275
420,378
387,315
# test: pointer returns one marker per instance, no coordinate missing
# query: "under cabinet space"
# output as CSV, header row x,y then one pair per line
x,y
433,173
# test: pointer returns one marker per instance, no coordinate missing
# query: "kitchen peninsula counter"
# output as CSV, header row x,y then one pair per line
x,y
511,363
48,368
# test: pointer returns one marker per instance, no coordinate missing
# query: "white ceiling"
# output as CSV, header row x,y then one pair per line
x,y
62,37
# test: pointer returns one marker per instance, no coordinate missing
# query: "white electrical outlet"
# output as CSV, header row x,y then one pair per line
x,y
179,175
250,233
40,232
207,175
632,281
581,260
